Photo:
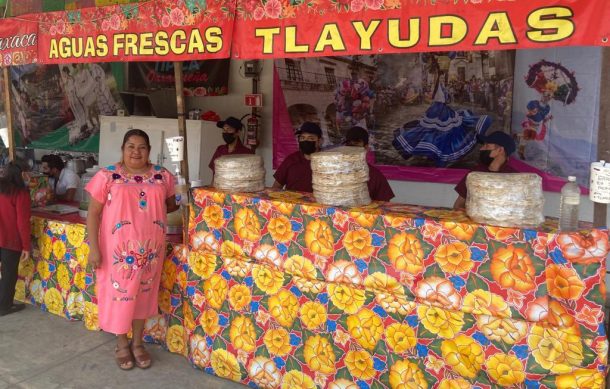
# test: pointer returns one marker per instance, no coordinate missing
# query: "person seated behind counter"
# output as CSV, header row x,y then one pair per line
x,y
379,188
295,171
493,157
63,181
231,128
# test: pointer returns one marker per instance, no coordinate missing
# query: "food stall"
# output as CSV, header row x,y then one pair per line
x,y
275,290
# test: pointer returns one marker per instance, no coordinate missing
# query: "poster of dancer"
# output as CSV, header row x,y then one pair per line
x,y
58,106
556,110
38,103
423,111
91,92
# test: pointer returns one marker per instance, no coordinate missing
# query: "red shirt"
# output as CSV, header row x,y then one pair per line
x,y
15,212
379,188
461,188
224,150
295,173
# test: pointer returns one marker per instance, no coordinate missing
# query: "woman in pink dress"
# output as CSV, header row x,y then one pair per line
x,y
126,224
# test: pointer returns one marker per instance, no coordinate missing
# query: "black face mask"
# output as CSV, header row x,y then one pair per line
x,y
485,157
307,147
228,138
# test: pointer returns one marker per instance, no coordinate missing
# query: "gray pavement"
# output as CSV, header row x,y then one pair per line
x,y
40,350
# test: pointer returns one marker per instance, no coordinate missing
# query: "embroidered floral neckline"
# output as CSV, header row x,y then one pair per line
x,y
118,171
138,177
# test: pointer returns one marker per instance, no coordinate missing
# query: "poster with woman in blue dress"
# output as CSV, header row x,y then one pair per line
x,y
442,134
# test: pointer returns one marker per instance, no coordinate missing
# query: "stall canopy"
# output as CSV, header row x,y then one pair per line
x,y
248,29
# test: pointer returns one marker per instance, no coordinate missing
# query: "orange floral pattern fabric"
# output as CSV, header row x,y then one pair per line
x,y
382,296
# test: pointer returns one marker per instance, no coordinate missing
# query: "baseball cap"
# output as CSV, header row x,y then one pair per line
x,y
231,122
356,134
501,139
310,128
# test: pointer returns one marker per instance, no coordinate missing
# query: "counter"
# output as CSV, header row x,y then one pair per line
x,y
275,290
57,277
286,290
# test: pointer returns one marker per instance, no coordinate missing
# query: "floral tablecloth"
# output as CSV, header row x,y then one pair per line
x,y
280,291
277,291
56,276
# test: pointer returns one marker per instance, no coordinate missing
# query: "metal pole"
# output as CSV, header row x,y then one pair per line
x,y
184,166
603,134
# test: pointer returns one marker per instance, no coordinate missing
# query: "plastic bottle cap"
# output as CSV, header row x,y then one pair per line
x,y
571,178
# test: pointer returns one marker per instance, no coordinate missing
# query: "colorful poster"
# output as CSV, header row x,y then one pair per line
x,y
556,112
38,103
274,28
161,30
57,106
200,78
423,111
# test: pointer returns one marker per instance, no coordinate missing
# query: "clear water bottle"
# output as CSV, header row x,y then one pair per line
x,y
568,208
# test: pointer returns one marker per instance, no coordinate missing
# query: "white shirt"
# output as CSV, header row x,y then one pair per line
x,y
67,180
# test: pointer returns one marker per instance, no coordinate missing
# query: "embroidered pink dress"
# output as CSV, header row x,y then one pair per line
x,y
132,243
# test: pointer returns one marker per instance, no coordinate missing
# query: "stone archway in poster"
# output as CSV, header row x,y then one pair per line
x,y
423,111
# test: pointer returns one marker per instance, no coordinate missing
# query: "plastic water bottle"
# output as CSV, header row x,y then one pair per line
x,y
181,188
181,191
568,208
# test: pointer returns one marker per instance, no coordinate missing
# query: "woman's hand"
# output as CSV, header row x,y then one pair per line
x,y
25,255
170,204
95,259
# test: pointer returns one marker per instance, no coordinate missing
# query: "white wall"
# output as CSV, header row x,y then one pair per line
x,y
233,105
421,193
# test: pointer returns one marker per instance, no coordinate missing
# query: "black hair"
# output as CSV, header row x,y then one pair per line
x,y
136,132
54,161
11,179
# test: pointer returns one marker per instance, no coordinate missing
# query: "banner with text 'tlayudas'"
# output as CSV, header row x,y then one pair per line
x,y
18,42
161,30
279,28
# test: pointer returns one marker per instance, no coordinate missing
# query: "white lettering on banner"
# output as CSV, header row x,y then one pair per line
x,y
18,41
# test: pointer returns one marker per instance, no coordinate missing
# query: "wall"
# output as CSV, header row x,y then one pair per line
x,y
233,105
406,192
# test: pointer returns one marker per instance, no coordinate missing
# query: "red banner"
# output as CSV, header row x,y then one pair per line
x,y
161,30
276,28
18,42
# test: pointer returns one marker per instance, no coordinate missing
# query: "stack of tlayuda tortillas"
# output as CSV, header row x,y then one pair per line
x,y
239,173
340,177
505,199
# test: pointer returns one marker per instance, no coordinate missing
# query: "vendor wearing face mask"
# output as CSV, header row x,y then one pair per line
x,y
379,188
231,128
295,172
493,157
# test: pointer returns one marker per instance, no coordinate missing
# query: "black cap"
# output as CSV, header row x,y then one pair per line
x,y
310,128
231,122
501,139
357,134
